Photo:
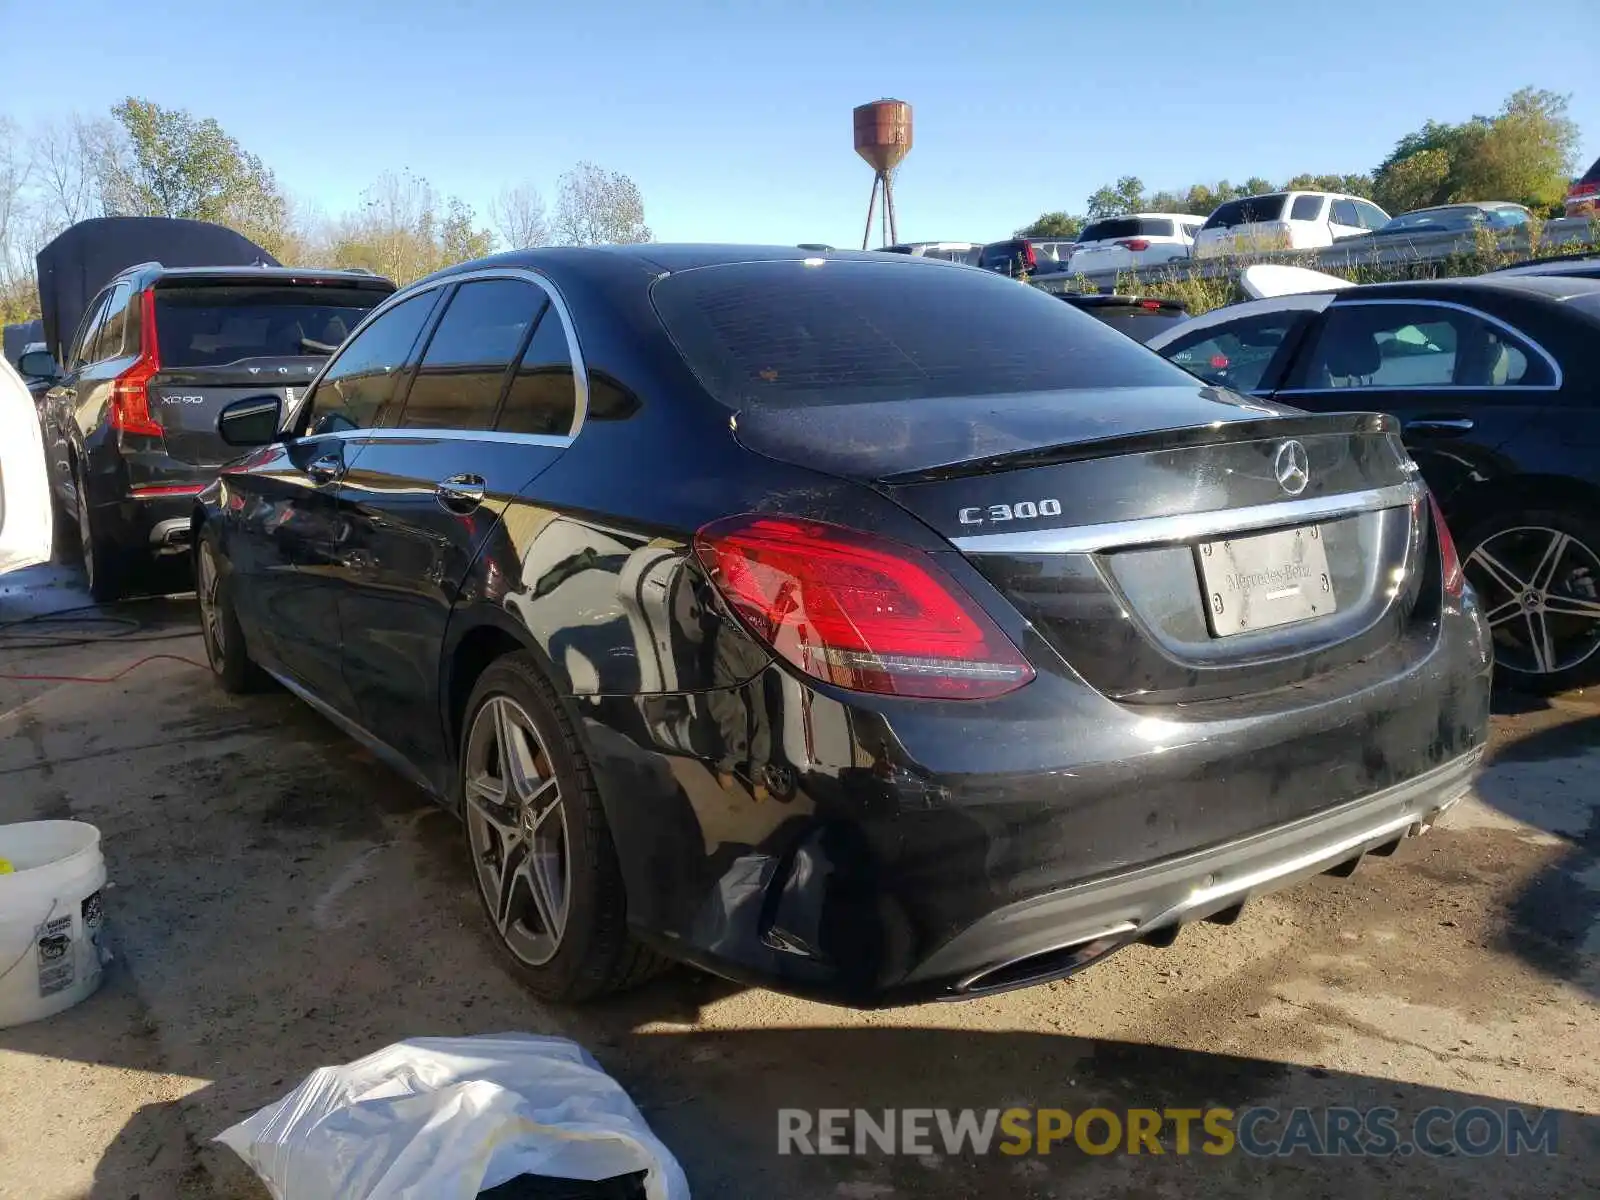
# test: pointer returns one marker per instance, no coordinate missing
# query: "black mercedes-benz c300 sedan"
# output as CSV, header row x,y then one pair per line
x,y
864,626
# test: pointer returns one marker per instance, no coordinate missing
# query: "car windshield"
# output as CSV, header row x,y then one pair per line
x,y
203,325
1247,211
787,335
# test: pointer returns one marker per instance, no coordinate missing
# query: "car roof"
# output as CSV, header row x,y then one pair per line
x,y
264,274
1553,287
1462,204
665,256
1586,265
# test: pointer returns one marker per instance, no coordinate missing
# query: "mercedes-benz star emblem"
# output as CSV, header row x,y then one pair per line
x,y
1292,468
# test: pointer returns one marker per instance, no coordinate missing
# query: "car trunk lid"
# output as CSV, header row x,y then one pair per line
x,y
185,402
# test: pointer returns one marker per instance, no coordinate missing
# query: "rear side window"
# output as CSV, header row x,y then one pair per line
x,y
200,325
785,335
544,391
1344,213
1309,208
1246,211
463,370
358,389
84,343
109,342
1235,355
1417,345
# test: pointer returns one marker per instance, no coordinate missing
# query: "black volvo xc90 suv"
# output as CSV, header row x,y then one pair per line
x,y
868,627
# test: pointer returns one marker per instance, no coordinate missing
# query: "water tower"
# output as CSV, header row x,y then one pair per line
x,y
883,138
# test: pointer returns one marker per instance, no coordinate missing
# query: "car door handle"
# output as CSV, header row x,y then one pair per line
x,y
461,493
1446,426
327,469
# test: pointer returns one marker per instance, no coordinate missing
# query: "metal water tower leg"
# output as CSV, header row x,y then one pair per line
x,y
872,203
888,209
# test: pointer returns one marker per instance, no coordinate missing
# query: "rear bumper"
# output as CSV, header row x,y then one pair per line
x,y
1063,932
143,523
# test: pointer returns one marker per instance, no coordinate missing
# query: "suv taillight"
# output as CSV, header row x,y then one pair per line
x,y
1028,255
1449,559
130,391
1134,244
857,610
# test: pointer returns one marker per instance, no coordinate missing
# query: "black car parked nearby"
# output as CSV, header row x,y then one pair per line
x,y
1140,317
130,425
1496,384
863,626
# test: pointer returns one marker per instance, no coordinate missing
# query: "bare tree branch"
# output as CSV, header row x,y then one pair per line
x,y
598,207
518,216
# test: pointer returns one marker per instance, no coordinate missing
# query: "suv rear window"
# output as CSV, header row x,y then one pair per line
x,y
1243,212
1126,227
206,325
785,335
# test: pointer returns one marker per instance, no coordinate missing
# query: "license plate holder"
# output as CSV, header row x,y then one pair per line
x,y
1265,580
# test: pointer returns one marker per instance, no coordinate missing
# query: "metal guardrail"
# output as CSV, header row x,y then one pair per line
x,y
1345,255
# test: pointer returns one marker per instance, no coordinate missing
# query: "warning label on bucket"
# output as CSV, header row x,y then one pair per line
x,y
56,964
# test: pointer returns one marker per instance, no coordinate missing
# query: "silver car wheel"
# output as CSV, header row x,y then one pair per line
x,y
517,828
1540,590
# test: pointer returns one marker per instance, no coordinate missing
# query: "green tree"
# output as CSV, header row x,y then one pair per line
x,y
1350,185
1052,225
1415,181
171,164
1118,199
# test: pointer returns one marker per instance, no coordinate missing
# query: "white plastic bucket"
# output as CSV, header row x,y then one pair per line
x,y
50,918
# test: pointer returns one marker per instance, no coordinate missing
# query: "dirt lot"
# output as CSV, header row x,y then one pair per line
x,y
281,901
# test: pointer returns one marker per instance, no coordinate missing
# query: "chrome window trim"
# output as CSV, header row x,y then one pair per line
x,y
362,436
1423,302
580,370
1181,527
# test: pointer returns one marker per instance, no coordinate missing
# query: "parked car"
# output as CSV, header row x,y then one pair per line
x,y
1140,317
130,424
961,252
26,534
1286,221
1127,243
1015,257
1495,383
1494,216
1583,197
811,621
1583,266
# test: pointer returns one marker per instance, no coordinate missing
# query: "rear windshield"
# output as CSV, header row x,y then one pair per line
x,y
787,335
1246,211
1141,324
1126,227
208,325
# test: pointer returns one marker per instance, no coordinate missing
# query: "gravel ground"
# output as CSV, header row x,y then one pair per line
x,y
282,901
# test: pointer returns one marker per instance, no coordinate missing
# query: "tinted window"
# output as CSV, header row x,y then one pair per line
x,y
1507,218
544,392
463,369
108,343
208,325
83,343
1141,324
360,384
784,335
1309,208
1243,212
1126,227
1343,212
1417,345
1237,354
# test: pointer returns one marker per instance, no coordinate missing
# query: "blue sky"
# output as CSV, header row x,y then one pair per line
x,y
734,118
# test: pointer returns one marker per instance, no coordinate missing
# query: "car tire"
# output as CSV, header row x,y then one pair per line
x,y
230,661
570,941
104,566
1516,548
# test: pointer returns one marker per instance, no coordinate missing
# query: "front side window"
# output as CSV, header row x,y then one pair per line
x,y
1418,345
1344,213
463,370
1237,354
1370,215
358,390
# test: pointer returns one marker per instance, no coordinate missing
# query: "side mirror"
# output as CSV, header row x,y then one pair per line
x,y
252,422
38,364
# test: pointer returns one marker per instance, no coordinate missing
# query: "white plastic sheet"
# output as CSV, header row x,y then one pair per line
x,y
446,1118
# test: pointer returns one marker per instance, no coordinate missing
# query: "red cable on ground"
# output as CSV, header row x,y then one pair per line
x,y
149,658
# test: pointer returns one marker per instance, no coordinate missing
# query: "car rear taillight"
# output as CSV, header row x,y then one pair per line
x,y
130,391
1449,559
1134,243
1151,304
857,610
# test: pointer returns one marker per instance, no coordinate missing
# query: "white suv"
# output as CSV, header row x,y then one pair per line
x,y
1286,221
1140,240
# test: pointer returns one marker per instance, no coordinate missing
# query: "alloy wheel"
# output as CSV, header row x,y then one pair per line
x,y
211,628
517,827
1540,590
